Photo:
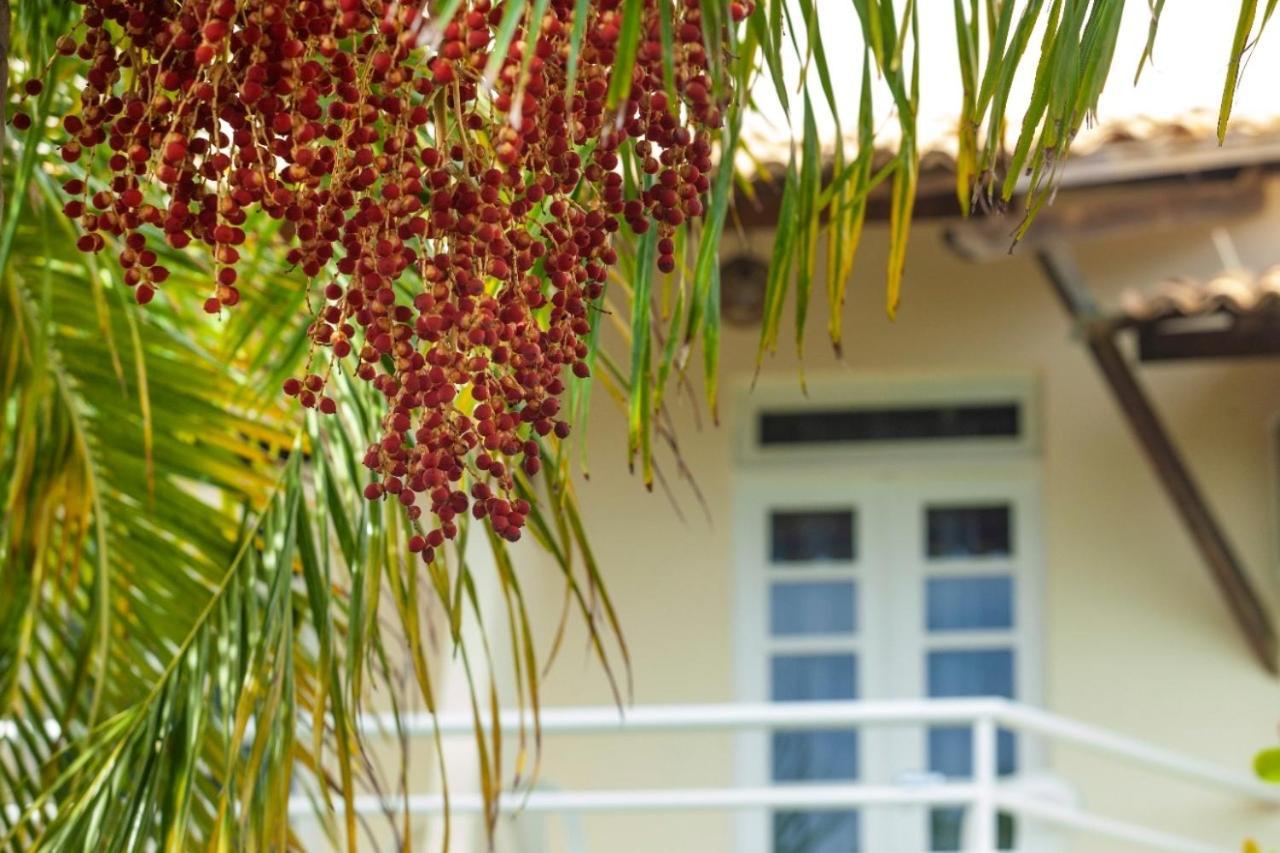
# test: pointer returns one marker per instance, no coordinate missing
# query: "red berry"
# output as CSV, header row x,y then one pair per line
x,y
240,110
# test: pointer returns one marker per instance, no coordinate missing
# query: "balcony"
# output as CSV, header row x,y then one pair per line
x,y
1065,825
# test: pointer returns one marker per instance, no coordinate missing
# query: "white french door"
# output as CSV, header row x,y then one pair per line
x,y
882,579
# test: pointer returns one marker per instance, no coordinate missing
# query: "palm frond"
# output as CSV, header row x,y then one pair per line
x,y
195,602
193,594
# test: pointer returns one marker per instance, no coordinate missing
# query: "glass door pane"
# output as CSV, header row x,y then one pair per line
x,y
969,619
812,624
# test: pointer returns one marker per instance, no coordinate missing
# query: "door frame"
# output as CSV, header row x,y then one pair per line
x,y
820,474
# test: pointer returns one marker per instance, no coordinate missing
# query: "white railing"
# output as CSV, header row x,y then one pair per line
x,y
982,796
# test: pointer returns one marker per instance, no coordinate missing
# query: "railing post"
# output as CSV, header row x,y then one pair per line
x,y
983,812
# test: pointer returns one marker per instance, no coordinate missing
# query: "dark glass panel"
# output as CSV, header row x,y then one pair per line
x,y
817,607
811,535
968,604
816,832
801,678
898,423
971,672
946,829
807,756
951,751
968,531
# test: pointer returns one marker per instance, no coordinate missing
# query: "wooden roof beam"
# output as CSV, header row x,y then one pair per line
x,y
1220,335
1100,336
1082,213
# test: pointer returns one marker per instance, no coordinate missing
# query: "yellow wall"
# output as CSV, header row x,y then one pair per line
x,y
1136,637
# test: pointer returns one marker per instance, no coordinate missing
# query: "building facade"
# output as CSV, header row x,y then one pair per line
x,y
954,508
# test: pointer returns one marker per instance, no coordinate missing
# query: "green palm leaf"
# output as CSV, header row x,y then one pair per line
x,y
195,600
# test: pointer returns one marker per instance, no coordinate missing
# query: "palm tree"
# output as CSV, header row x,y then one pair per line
x,y
196,603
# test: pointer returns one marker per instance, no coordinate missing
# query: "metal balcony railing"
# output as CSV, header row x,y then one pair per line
x,y
982,796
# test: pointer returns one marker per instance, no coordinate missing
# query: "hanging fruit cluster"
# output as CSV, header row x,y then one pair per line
x,y
455,210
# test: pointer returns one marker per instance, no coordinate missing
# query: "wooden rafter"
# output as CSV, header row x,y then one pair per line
x,y
1220,558
1220,335
1081,213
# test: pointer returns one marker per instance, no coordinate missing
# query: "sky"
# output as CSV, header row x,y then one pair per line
x,y
1191,54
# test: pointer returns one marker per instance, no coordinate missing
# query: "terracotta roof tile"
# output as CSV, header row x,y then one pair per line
x,y
1132,138
1237,291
